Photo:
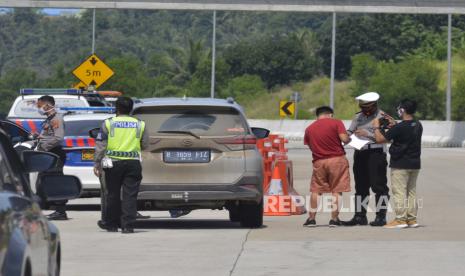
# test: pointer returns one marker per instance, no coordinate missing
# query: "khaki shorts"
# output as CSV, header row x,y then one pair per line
x,y
331,175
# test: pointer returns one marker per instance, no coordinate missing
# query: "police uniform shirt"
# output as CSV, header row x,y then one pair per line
x,y
52,133
361,121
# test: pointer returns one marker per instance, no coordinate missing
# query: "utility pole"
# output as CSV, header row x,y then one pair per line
x,y
449,69
212,87
333,62
93,32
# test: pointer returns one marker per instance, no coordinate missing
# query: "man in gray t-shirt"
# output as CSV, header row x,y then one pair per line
x,y
370,164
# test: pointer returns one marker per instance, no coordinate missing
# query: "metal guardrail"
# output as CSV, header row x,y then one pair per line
x,y
361,6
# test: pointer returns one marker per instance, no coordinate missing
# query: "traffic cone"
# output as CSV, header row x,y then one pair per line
x,y
276,184
276,203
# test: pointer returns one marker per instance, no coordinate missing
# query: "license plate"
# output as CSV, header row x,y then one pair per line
x,y
88,155
186,156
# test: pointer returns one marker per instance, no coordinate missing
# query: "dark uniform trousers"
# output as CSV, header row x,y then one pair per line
x,y
370,167
58,170
122,186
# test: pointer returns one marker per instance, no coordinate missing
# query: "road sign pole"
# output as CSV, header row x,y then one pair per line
x,y
449,68
212,87
296,112
333,62
93,32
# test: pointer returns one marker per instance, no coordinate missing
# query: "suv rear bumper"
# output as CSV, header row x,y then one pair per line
x,y
247,189
187,194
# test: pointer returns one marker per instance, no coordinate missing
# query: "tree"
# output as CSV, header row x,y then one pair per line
x,y
363,68
413,78
278,60
458,100
11,83
244,89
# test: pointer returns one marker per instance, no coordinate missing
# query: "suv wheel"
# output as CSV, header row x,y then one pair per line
x,y
234,214
251,214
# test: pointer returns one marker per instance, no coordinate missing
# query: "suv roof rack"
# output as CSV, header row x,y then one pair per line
x,y
103,109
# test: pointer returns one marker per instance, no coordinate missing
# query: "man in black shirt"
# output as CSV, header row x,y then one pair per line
x,y
405,162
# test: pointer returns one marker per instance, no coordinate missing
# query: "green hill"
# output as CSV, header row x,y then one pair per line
x,y
314,94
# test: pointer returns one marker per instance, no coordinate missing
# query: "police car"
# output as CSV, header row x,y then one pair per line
x,y
24,109
80,148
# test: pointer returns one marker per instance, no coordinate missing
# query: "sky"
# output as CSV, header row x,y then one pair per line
x,y
51,11
59,11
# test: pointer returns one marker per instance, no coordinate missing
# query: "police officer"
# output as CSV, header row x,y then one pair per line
x,y
50,139
370,164
118,154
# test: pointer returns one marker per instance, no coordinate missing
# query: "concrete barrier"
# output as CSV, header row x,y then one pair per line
x,y
435,133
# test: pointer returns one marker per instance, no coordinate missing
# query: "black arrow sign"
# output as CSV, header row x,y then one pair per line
x,y
93,83
285,109
93,61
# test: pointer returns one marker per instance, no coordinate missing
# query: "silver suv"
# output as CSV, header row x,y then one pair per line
x,y
202,155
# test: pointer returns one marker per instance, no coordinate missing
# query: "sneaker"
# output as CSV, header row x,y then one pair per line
x,y
412,223
356,220
396,224
380,220
335,223
310,223
58,215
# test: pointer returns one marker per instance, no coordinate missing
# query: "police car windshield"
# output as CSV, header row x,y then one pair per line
x,y
81,128
198,120
27,108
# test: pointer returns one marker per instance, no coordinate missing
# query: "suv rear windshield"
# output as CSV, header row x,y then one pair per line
x,y
200,120
27,108
81,128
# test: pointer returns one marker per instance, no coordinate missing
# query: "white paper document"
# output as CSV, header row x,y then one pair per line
x,y
357,143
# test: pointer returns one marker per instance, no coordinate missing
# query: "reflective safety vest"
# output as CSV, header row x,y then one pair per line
x,y
124,137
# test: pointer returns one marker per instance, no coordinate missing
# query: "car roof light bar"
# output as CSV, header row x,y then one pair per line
x,y
50,91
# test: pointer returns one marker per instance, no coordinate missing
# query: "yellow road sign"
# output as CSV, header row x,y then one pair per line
x,y
80,85
93,71
286,108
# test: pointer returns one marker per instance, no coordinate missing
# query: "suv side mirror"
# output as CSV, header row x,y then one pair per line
x,y
93,133
37,161
59,187
260,133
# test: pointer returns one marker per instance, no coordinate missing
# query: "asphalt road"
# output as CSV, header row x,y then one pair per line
x,y
206,243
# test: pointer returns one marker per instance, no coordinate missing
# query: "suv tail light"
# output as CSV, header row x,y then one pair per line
x,y
245,142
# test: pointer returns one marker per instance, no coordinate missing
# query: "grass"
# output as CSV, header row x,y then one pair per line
x,y
458,69
314,93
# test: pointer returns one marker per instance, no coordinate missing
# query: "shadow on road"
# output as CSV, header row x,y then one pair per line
x,y
83,207
187,224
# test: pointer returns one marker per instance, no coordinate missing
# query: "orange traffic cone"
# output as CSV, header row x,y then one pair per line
x,y
276,203
276,184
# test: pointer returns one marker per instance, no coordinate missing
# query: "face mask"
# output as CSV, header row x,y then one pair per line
x,y
368,110
400,112
41,111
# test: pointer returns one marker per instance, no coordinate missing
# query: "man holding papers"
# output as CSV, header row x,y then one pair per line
x,y
370,164
330,166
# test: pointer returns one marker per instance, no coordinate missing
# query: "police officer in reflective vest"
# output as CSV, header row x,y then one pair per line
x,y
118,155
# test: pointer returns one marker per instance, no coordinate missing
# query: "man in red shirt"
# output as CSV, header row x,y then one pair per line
x,y
324,137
